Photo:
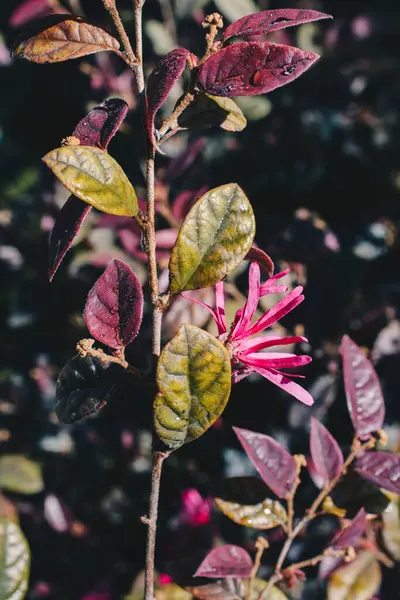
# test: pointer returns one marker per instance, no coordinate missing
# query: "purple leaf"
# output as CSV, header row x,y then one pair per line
x,y
101,123
225,561
68,223
252,68
30,9
259,256
350,535
275,465
114,306
272,20
363,390
325,452
160,82
380,468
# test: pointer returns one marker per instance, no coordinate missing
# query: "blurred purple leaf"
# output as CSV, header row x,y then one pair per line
x,y
272,20
275,465
225,561
363,390
30,9
56,514
252,68
329,564
350,535
325,452
114,306
259,256
380,468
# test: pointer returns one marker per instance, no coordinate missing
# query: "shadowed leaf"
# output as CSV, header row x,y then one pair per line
x,y
363,391
14,561
242,490
350,535
194,379
69,38
212,111
380,468
114,306
215,236
275,465
272,20
358,580
326,455
226,561
265,515
354,492
259,256
19,474
94,177
252,68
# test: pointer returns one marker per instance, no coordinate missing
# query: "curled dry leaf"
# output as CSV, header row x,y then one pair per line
x,y
19,474
212,111
215,236
226,561
70,37
14,561
114,306
93,176
275,465
327,458
363,390
359,580
380,468
252,68
264,515
351,534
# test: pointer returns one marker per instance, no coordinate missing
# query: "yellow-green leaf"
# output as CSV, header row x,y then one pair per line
x,y
391,527
19,474
14,561
259,585
194,382
359,580
215,236
264,515
208,111
93,176
70,38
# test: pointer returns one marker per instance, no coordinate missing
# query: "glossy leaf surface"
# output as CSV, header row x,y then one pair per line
x,y
264,515
114,306
212,111
359,580
272,20
93,176
69,38
225,561
215,236
326,455
19,474
14,561
350,535
194,379
275,465
380,468
252,68
363,390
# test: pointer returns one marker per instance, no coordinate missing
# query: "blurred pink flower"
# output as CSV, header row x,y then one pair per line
x,y
195,510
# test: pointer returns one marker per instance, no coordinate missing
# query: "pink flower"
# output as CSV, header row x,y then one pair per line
x,y
245,350
196,510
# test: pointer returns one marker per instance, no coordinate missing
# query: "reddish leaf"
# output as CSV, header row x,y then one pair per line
x,y
275,465
350,535
380,468
160,82
30,9
325,452
114,306
252,68
262,258
363,391
225,561
272,20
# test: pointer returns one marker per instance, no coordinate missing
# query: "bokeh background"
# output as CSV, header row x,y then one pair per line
x,y
320,162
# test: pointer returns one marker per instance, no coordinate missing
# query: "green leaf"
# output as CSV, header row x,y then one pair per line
x,y
254,107
359,580
93,176
14,561
391,527
259,585
208,111
194,379
264,515
19,474
215,236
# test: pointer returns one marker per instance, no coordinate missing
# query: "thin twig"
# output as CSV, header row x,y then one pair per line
x,y
261,545
111,8
138,68
172,119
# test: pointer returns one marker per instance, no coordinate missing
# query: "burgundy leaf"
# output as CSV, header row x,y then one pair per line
x,y
363,390
350,535
272,20
160,82
380,468
68,222
325,452
275,465
252,68
262,258
225,561
101,123
30,9
114,306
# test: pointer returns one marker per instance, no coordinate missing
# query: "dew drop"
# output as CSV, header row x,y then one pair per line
x,y
256,79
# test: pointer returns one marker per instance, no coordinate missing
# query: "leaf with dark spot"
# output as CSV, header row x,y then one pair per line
x,y
225,561
380,468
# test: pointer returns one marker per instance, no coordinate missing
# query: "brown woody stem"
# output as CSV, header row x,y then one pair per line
x,y
130,57
172,119
261,545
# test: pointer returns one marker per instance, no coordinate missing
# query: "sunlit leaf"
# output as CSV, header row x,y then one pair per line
x,y
363,391
226,561
264,515
236,9
215,236
391,528
259,585
275,465
14,561
194,379
212,111
326,455
380,468
359,580
69,38
350,535
19,474
95,177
